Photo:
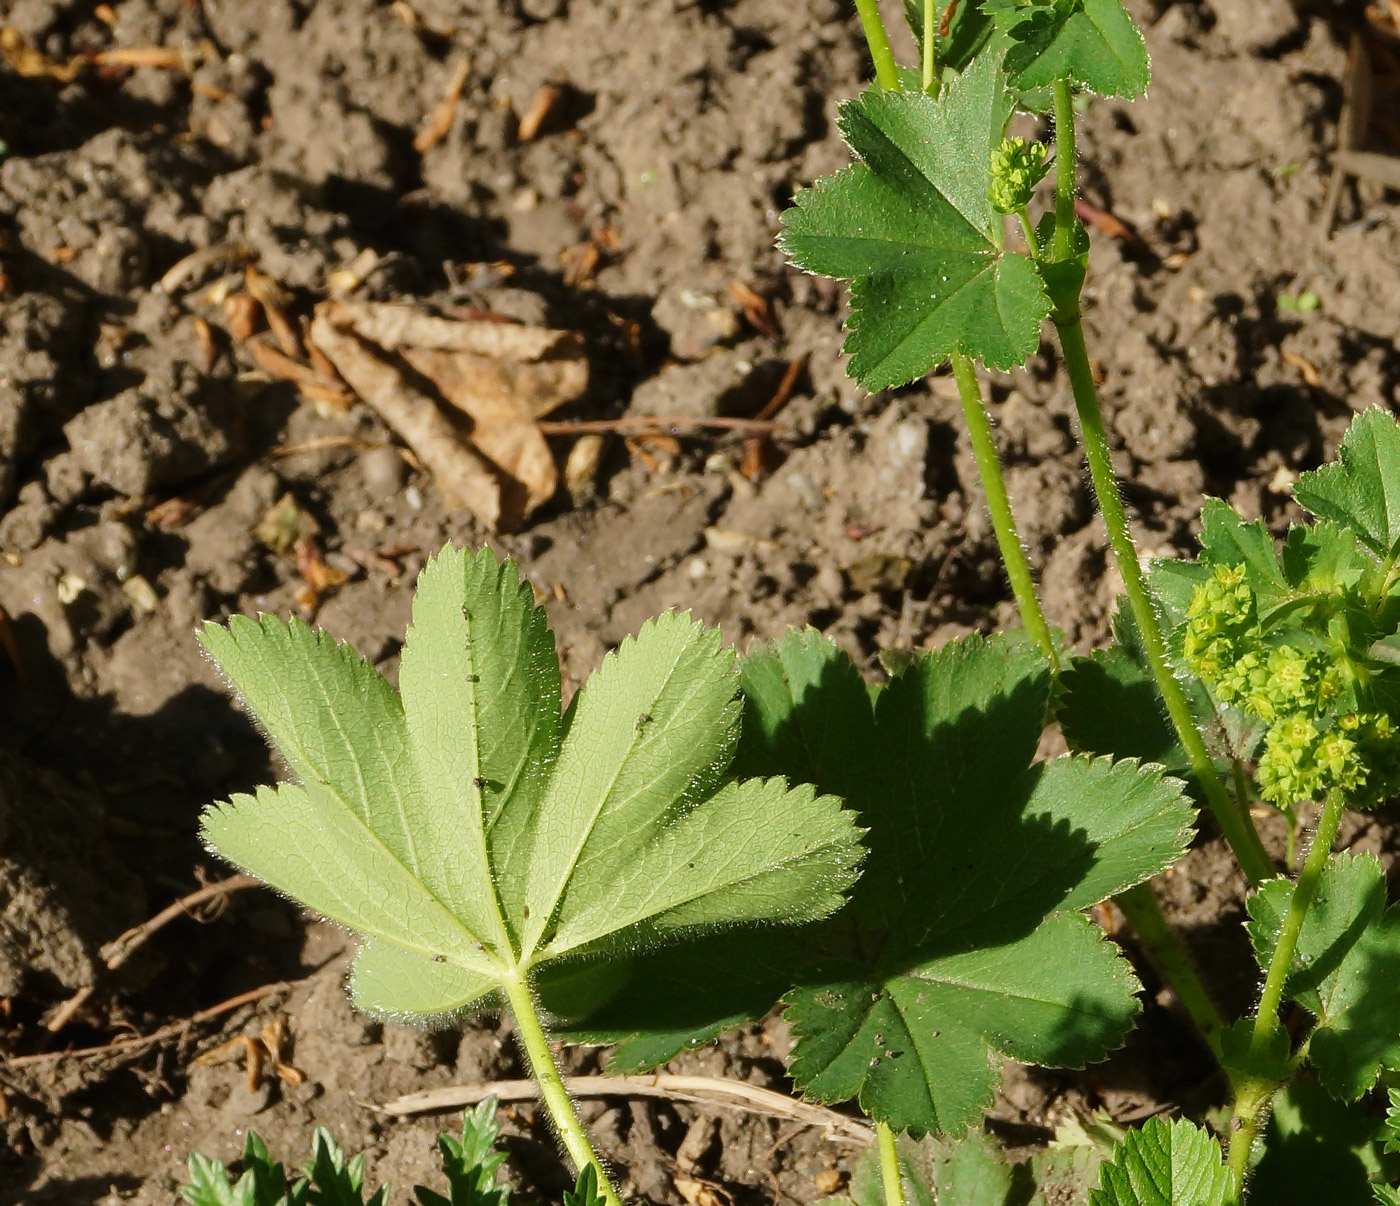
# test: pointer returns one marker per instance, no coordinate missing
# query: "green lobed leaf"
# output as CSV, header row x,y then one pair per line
x,y
479,834
1093,43
1226,539
1165,1164
1360,490
962,940
1109,704
1346,969
209,1185
912,228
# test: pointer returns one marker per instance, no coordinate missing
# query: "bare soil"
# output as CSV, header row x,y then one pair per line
x,y
679,130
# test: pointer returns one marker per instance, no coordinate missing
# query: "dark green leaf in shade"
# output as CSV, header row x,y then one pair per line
x,y
963,941
1346,970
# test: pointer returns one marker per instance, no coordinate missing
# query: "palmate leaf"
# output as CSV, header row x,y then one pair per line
x,y
911,227
963,941
1346,970
1165,1164
1093,43
471,834
1360,490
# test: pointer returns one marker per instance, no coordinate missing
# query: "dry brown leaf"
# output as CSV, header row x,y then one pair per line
x,y
323,391
240,311
502,376
463,475
270,297
204,335
439,121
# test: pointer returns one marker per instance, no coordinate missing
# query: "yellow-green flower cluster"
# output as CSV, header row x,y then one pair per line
x,y
1017,167
1309,750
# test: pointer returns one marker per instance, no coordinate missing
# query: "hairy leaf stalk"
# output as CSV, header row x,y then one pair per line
x,y
890,1176
886,70
556,1097
1013,553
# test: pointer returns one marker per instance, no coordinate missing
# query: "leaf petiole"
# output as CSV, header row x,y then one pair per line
x,y
556,1097
1065,218
886,70
1013,553
890,1176
930,48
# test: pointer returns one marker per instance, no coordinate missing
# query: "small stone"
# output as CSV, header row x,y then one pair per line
x,y
245,1103
384,472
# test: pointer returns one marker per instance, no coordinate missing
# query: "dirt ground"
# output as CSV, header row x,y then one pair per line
x,y
141,449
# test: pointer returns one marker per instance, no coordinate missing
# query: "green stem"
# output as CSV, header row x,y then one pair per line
x,y
1239,832
1065,218
886,71
1266,1022
1164,949
1013,555
1029,231
1254,1093
930,48
889,1165
546,1073
1252,1100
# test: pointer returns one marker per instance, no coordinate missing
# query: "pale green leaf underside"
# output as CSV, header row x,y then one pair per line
x,y
433,827
1165,1164
652,727
917,1046
1094,43
302,842
389,981
755,851
1361,488
480,683
332,716
910,226
1346,970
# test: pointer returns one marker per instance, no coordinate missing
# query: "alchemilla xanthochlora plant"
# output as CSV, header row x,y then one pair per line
x,y
698,837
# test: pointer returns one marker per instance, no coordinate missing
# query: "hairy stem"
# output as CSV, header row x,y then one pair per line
x,y
1239,831
1253,1094
1266,1022
1065,218
1138,904
1164,949
1013,554
546,1073
930,48
886,71
889,1165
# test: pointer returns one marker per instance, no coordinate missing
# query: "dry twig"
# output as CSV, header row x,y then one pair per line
x,y
138,1043
121,948
699,1090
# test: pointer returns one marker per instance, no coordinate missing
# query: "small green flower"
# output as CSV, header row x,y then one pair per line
x,y
1017,167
